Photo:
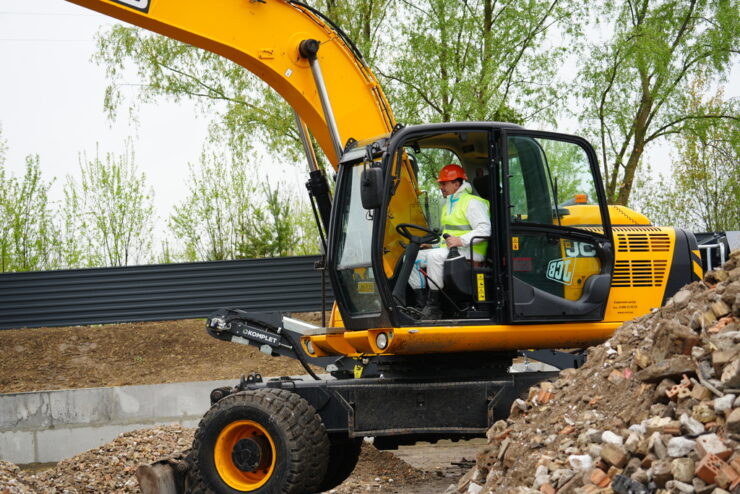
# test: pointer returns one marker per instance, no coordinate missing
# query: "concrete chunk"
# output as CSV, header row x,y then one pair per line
x,y
731,375
614,454
733,421
682,469
672,367
680,446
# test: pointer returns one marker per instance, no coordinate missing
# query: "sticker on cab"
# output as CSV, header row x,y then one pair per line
x,y
141,5
365,287
561,270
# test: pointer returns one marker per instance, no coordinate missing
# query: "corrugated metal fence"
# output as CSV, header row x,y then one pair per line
x,y
158,292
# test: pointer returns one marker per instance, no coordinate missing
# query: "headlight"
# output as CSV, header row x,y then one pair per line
x,y
309,347
381,341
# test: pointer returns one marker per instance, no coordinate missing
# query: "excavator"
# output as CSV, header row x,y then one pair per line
x,y
562,269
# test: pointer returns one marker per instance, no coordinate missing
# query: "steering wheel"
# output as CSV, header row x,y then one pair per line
x,y
432,236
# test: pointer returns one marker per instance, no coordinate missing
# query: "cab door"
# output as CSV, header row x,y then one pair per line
x,y
557,238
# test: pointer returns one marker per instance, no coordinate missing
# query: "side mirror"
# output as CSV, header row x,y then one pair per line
x,y
371,188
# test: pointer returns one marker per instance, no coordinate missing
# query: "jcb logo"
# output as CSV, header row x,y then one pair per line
x,y
579,249
561,270
142,5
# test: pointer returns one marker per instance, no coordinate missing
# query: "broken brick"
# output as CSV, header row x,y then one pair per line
x,y
568,429
547,489
726,477
544,396
615,376
711,444
684,393
599,478
674,428
708,468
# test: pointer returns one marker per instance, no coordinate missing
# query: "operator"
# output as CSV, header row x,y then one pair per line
x,y
464,217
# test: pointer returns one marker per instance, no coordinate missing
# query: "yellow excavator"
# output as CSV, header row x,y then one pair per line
x,y
562,268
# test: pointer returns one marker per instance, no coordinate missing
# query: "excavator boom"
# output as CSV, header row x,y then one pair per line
x,y
560,270
264,38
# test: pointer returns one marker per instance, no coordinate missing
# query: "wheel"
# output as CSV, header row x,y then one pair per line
x,y
267,441
343,455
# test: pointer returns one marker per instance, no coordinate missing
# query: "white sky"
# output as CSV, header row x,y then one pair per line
x,y
51,104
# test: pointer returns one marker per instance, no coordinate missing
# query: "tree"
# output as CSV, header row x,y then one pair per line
x,y
111,209
364,21
28,236
477,60
206,220
702,193
230,214
636,84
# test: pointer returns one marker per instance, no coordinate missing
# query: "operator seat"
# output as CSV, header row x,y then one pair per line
x,y
482,185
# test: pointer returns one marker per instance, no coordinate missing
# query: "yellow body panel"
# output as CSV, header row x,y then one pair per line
x,y
263,37
584,215
643,257
453,339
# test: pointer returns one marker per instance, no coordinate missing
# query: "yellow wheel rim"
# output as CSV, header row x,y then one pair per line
x,y
244,455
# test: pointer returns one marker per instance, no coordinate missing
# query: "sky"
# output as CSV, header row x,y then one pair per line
x,y
51,104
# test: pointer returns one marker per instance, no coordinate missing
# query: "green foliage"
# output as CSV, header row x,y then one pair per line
x,y
635,85
366,22
110,211
28,238
476,60
229,214
703,191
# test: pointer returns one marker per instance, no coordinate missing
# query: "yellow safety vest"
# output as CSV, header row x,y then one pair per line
x,y
455,222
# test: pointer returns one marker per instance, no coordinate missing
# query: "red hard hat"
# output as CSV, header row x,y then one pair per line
x,y
451,172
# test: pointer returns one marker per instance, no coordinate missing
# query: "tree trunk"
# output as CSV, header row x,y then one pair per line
x,y
640,131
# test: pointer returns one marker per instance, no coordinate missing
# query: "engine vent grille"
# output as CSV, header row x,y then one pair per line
x,y
643,242
639,273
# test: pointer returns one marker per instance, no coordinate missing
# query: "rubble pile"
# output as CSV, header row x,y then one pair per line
x,y
109,468
656,409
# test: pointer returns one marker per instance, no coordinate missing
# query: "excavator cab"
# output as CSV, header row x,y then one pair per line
x,y
542,262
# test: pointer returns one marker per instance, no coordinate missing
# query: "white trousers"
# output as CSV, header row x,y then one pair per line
x,y
433,261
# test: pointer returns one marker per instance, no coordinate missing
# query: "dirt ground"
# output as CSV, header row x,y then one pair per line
x,y
124,354
182,351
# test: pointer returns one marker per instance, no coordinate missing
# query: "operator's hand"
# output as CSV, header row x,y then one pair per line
x,y
453,241
426,246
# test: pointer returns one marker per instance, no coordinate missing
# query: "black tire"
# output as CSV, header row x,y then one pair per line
x,y
267,441
343,455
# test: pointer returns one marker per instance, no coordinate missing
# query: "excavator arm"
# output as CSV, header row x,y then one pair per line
x,y
264,37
